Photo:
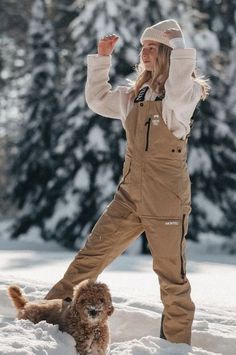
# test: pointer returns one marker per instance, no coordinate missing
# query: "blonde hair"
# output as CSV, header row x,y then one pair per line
x,y
160,74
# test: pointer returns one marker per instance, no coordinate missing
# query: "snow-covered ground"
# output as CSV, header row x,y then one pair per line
x,y
135,324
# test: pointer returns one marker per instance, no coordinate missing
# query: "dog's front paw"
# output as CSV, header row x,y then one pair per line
x,y
85,352
84,348
98,351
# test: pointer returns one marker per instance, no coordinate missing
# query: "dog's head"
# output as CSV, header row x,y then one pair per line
x,y
92,300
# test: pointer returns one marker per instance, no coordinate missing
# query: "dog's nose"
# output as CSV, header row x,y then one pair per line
x,y
93,312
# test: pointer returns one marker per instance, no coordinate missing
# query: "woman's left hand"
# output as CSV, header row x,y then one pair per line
x,y
173,33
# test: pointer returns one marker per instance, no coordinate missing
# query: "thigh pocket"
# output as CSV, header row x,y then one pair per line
x,y
125,171
110,220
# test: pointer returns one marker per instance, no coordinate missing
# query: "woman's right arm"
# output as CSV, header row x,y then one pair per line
x,y
98,92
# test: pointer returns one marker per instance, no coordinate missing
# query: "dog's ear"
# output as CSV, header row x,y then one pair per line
x,y
79,288
110,310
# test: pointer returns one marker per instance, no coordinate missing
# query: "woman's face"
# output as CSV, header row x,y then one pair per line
x,y
149,54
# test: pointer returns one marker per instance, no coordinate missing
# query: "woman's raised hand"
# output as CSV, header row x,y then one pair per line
x,y
173,33
107,44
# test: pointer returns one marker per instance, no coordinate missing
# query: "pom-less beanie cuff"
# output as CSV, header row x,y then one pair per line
x,y
156,32
154,35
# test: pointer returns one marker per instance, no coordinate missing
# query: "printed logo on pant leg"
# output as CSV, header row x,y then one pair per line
x,y
171,223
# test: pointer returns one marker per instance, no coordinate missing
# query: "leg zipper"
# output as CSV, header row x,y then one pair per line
x,y
148,123
162,334
181,252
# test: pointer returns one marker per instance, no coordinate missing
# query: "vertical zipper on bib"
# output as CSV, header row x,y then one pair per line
x,y
148,123
181,252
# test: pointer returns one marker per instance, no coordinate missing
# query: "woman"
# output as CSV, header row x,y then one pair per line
x,y
154,192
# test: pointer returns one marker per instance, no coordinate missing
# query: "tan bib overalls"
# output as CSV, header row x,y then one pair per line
x,y
153,196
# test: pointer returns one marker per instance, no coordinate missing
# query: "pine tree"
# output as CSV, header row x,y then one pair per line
x,y
213,143
35,162
213,210
93,146
13,21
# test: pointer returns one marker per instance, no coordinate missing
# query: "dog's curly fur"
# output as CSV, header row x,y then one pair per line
x,y
85,317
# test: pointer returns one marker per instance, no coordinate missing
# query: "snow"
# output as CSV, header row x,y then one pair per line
x,y
105,183
65,208
82,179
135,324
207,40
199,159
26,338
96,139
212,211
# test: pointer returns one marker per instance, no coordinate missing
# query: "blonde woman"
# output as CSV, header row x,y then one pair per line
x,y
154,193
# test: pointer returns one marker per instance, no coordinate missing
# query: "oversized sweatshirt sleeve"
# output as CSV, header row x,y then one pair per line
x,y
98,92
182,93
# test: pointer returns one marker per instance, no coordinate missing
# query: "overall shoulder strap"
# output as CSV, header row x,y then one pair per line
x,y
141,95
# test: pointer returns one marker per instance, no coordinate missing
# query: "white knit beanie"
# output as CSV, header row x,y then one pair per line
x,y
156,32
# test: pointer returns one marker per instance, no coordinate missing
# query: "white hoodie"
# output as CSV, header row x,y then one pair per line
x,y
182,93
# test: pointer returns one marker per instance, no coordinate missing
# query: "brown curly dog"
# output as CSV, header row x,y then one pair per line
x,y
84,318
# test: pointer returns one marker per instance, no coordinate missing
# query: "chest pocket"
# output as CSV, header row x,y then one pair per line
x,y
151,126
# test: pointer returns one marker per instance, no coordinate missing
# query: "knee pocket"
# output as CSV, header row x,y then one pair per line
x,y
126,172
169,246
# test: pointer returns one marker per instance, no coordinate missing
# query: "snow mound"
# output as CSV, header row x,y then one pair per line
x,y
25,338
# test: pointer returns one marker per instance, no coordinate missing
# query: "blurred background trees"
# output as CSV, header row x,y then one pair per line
x,y
60,163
